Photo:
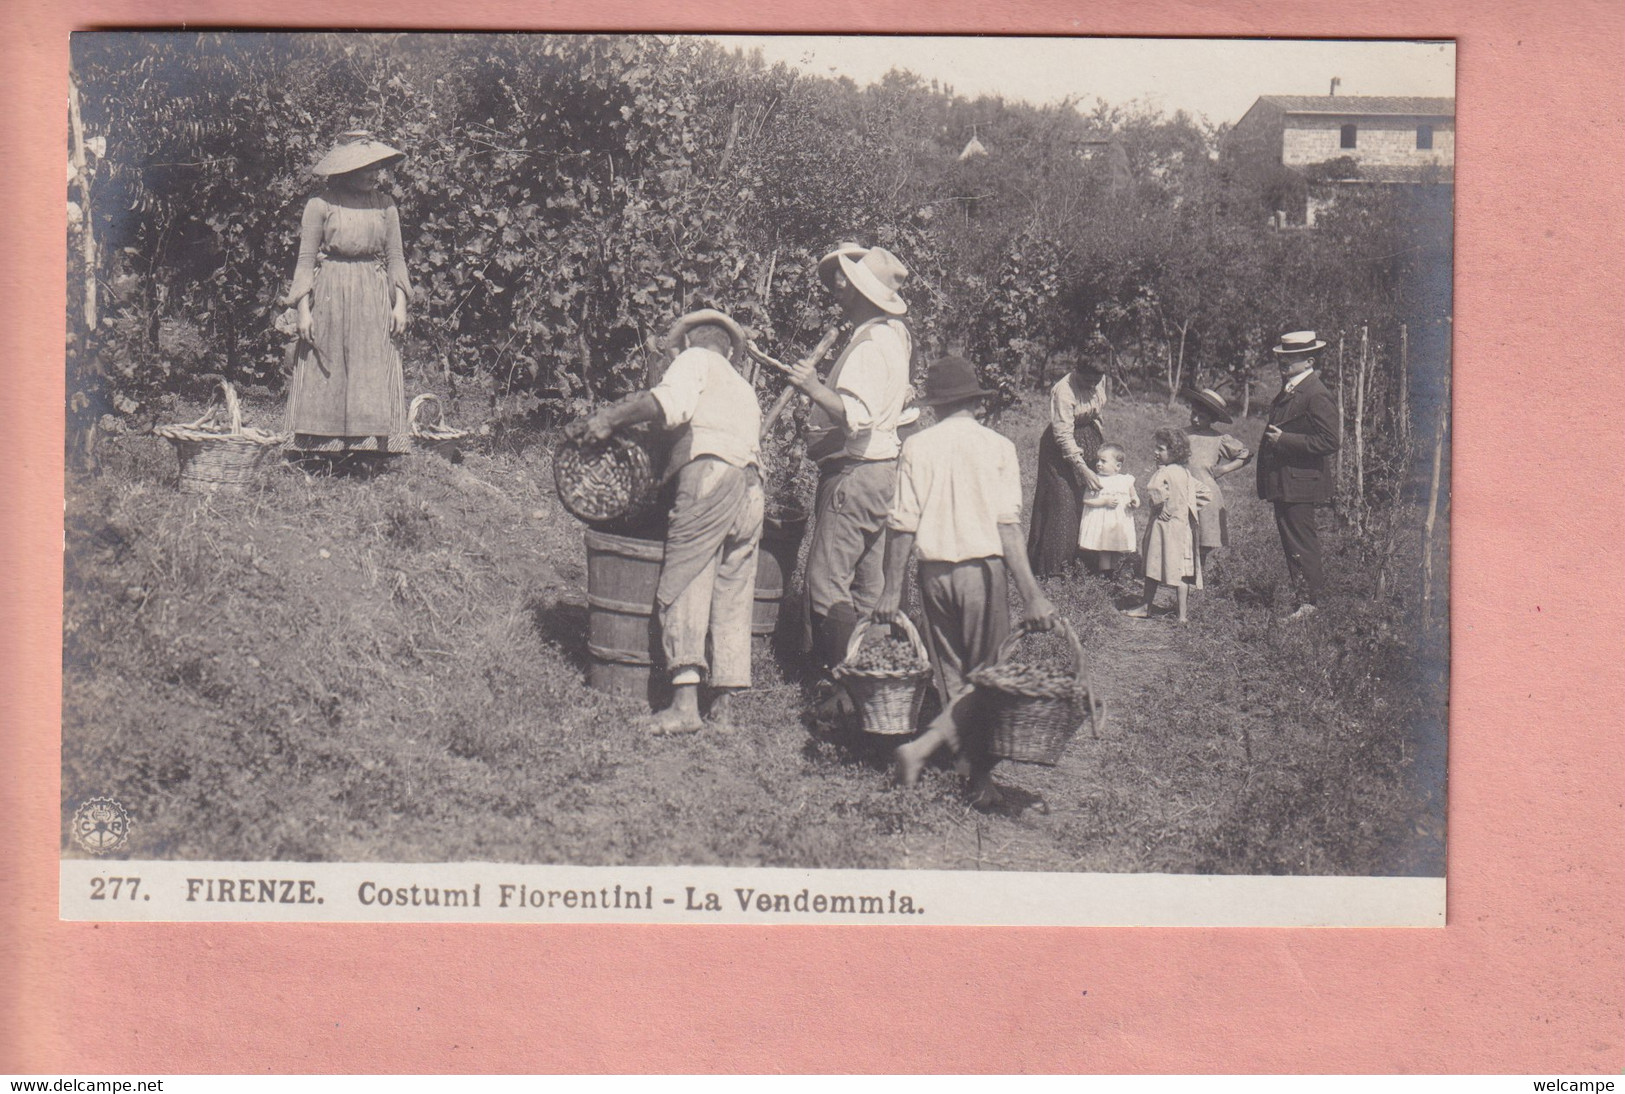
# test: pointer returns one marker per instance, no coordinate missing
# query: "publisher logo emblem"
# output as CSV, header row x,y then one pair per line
x,y
101,825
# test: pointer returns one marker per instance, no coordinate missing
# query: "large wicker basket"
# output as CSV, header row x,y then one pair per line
x,y
888,700
1029,721
219,456
608,481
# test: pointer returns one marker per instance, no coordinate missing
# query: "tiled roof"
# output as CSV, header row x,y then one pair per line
x,y
1360,104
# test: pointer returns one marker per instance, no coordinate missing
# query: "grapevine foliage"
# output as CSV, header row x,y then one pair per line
x,y
566,196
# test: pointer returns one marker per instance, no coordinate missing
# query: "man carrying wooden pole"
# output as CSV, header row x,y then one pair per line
x,y
853,437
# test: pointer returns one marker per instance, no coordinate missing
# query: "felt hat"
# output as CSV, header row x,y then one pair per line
x,y
699,318
873,271
951,380
353,151
1209,400
1299,341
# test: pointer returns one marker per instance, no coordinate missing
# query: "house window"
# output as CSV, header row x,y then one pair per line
x,y
1349,133
1424,136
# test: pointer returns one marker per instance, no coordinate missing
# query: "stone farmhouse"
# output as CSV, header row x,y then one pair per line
x,y
1303,149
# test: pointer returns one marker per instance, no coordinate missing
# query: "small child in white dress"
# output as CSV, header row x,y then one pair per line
x,y
1106,533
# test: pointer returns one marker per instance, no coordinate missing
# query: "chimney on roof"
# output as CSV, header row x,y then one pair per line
x,y
1335,81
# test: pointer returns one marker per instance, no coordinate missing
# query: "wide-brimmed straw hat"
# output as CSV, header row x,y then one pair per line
x,y
873,271
355,150
1299,341
1209,400
951,380
693,319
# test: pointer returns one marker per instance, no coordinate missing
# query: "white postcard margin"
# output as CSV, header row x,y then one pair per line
x,y
328,892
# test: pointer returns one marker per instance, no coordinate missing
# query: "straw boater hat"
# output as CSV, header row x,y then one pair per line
x,y
951,380
355,150
873,271
1209,400
1299,341
674,337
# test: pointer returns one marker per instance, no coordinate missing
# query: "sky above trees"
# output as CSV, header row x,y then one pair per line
x,y
1218,78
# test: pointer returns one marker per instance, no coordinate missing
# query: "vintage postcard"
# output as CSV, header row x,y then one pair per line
x,y
608,478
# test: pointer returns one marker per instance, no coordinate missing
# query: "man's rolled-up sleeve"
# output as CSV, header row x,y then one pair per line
x,y
678,392
905,507
1009,483
862,386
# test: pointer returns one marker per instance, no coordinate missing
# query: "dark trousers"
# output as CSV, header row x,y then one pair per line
x,y
1300,539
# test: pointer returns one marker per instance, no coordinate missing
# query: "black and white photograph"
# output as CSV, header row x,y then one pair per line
x,y
707,478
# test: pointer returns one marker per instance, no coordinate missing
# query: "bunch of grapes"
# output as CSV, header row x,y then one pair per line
x,y
885,653
1038,680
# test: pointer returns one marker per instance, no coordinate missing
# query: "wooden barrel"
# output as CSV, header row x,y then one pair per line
x,y
775,563
622,574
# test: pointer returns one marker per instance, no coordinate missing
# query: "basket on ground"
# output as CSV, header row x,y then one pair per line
x,y
436,433
603,481
888,697
216,455
1033,711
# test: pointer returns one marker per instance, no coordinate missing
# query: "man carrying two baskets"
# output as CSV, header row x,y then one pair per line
x,y
958,504
708,573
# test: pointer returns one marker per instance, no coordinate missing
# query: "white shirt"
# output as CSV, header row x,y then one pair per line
x,y
871,377
1294,381
718,406
956,483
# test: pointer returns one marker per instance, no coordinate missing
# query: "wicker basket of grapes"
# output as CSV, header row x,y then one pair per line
x,y
886,675
603,481
1034,709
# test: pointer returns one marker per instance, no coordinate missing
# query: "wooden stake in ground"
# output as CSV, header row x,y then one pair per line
x,y
1404,417
1337,472
1360,381
1433,504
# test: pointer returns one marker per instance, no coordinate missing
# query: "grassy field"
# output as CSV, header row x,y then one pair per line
x,y
390,668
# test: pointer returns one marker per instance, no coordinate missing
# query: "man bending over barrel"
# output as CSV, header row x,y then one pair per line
x,y
708,574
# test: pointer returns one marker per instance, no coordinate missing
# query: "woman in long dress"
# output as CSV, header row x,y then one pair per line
x,y
1066,456
347,392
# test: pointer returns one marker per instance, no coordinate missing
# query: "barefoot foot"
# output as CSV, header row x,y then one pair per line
x,y
721,717
671,721
909,762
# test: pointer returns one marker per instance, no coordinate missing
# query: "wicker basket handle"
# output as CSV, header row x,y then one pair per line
x,y
855,643
418,401
234,411
1007,648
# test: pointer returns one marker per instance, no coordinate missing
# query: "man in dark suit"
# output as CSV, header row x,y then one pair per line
x,y
1292,474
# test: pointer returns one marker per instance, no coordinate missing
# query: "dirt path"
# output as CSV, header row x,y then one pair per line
x,y
1125,664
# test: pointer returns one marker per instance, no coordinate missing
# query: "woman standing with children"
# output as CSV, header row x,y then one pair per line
x,y
1066,457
